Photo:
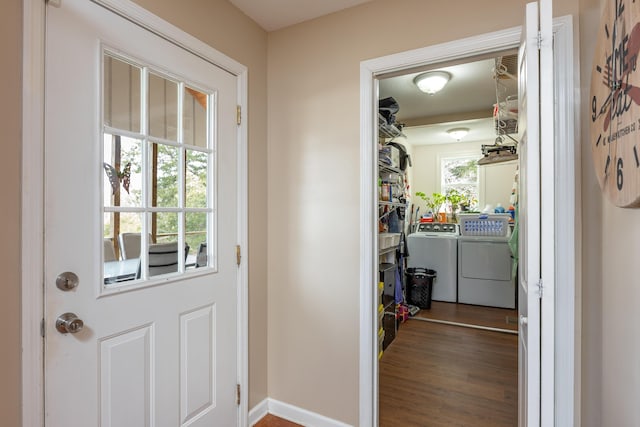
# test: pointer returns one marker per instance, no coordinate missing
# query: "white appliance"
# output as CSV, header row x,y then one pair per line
x,y
435,246
485,264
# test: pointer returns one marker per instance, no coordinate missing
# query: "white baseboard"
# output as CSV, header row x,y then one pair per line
x,y
291,413
258,412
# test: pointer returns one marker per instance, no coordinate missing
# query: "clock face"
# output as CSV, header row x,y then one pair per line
x,y
615,103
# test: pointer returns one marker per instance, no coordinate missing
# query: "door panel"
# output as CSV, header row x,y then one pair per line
x,y
154,350
125,378
529,221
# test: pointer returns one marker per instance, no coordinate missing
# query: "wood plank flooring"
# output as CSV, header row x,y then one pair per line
x,y
270,420
491,317
441,375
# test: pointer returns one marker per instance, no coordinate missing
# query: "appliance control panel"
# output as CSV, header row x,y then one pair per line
x,y
437,227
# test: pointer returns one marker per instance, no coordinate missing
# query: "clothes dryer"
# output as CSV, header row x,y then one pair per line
x,y
435,246
485,264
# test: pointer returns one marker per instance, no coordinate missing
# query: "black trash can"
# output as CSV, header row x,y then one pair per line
x,y
420,286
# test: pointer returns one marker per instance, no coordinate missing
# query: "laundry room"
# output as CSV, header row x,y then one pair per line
x,y
447,226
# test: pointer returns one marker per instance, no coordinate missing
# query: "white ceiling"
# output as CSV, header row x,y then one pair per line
x,y
479,130
466,101
275,14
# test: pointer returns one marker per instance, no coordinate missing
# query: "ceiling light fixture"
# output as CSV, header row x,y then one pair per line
x,y
458,133
432,81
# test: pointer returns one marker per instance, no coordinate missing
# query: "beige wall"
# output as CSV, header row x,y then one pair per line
x,y
10,113
592,245
314,183
611,292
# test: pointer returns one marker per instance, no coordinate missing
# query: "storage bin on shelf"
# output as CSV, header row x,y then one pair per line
x,y
388,277
388,240
389,155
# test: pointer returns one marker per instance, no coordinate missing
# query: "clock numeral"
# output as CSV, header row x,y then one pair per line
x,y
599,139
620,9
619,180
635,154
606,30
606,166
594,107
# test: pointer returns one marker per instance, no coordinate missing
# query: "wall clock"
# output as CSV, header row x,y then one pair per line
x,y
615,103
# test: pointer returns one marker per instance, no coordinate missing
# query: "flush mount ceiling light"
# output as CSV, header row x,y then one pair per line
x,y
458,133
432,81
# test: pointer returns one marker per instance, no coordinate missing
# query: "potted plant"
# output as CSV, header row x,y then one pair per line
x,y
455,198
433,202
470,202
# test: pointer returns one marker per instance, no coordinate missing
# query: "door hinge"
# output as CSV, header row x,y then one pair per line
x,y
238,394
540,288
42,328
238,115
539,40
54,3
238,254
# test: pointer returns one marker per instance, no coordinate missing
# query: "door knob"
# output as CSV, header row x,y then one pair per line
x,y
524,320
69,323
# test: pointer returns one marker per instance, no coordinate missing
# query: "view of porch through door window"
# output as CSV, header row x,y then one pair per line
x,y
158,161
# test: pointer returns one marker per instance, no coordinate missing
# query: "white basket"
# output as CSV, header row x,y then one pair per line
x,y
388,240
493,225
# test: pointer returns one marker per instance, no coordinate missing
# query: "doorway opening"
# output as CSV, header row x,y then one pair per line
x,y
448,242
560,368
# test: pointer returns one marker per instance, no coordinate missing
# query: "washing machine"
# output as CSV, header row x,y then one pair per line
x,y
485,263
435,246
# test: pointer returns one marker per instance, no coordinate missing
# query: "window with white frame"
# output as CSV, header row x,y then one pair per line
x,y
460,173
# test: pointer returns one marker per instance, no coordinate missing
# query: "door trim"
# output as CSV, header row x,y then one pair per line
x,y
32,227
565,403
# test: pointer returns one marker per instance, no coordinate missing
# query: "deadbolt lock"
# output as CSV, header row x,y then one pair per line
x,y
67,281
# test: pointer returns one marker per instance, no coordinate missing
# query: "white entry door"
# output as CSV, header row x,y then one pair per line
x,y
141,206
535,128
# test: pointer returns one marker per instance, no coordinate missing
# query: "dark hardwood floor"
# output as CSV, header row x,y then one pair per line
x,y
441,375
491,317
273,421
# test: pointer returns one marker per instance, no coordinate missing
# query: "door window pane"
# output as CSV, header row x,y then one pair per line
x,y
196,238
163,107
127,230
166,226
122,171
164,175
121,95
194,121
196,179
163,254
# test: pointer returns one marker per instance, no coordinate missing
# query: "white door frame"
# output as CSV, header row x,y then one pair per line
x,y
32,226
564,405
